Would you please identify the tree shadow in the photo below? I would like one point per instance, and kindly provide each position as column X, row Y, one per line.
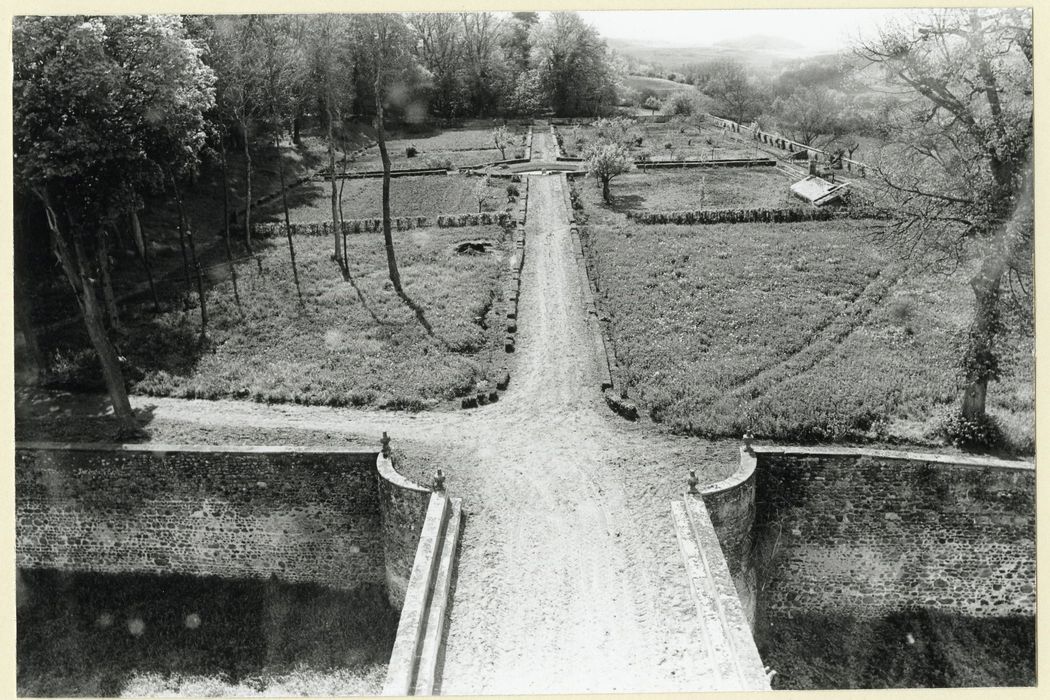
column 622, row 203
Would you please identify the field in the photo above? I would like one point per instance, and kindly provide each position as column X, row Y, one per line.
column 696, row 188
column 430, row 195
column 139, row 635
column 659, row 85
column 448, row 149
column 352, row 342
column 669, row 142
column 790, row 331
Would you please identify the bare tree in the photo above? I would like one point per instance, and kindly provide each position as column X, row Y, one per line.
column 960, row 173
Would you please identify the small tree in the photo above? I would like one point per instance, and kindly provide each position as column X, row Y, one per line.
column 482, row 193
column 606, row 161
column 502, row 137
column 652, row 103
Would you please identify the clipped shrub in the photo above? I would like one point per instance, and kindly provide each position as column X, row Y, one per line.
column 513, row 191
column 411, row 152
column 960, row 431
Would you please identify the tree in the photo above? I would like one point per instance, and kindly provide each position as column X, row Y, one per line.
column 959, row 174
column 92, row 101
column 502, row 137
column 813, row 116
column 575, row 68
column 736, row 96
column 439, row 49
column 652, row 103
column 606, row 160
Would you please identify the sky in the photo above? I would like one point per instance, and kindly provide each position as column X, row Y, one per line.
column 820, row 29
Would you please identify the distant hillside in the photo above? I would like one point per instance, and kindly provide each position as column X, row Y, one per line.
column 657, row 85
column 761, row 53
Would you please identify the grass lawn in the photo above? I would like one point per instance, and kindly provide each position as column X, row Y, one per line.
column 695, row 188
column 429, row 195
column 90, row 634
column 455, row 148
column 790, row 331
column 351, row 343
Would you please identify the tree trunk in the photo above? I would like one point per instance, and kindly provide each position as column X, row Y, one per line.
column 605, row 190
column 226, row 223
column 72, row 262
column 287, row 224
column 342, row 183
column 388, row 239
column 182, row 243
column 185, row 233
column 102, row 257
column 143, row 251
column 247, row 192
column 34, row 356
column 331, row 169
column 982, row 362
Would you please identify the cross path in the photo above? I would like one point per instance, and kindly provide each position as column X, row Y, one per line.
column 570, row 577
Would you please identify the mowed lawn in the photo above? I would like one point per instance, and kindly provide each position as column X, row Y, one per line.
column 792, row 332
column 350, row 343
column 695, row 188
column 362, row 198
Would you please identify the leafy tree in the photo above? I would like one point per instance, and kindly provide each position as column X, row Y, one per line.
column 486, row 75
column 438, row 48
column 100, row 104
column 605, row 161
column 652, row 103
column 736, row 96
column 575, row 68
column 959, row 173
column 814, row 116
column 502, row 137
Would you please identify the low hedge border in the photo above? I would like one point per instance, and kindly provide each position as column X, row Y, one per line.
column 758, row 215
column 401, row 223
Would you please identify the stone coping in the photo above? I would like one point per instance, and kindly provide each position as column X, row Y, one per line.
column 749, row 461
column 162, row 447
column 386, row 469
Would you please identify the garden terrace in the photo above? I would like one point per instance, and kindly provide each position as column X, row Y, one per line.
column 790, row 331
column 448, row 150
column 667, row 142
column 352, row 342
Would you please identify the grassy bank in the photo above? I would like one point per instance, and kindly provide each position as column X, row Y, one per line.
column 910, row 649
column 90, row 634
column 796, row 332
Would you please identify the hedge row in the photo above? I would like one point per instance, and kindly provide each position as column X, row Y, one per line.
column 403, row 223
column 763, row 215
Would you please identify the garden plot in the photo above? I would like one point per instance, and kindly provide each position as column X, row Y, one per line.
column 695, row 188
column 447, row 150
column 672, row 141
column 789, row 331
column 351, row 342
column 429, row 195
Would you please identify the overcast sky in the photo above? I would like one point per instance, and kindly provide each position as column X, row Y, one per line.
column 819, row 29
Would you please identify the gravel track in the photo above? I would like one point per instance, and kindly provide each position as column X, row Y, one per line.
column 569, row 577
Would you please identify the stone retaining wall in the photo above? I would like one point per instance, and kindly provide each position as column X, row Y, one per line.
column 302, row 514
column 756, row 215
column 401, row 223
column 871, row 531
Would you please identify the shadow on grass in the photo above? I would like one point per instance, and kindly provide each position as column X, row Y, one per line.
column 622, row 203
column 91, row 633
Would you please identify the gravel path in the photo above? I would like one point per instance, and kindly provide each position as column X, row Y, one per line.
column 569, row 578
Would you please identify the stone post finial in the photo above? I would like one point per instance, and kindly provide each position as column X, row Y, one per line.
column 748, row 437
column 693, row 481
column 439, row 481
column 385, row 441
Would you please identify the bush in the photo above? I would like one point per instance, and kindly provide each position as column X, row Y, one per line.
column 513, row 191
column 411, row 152
column 960, row 431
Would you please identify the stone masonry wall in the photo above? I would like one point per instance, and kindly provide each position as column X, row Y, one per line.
column 403, row 505
column 868, row 532
column 304, row 515
column 731, row 506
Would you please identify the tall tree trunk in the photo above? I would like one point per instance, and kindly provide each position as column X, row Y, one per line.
column 342, row 184
column 182, row 243
column 34, row 356
column 288, row 224
column 143, row 250
column 331, row 169
column 605, row 190
column 187, row 235
column 388, row 239
column 110, row 299
column 226, row 223
column 982, row 361
column 247, row 191
column 72, row 261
